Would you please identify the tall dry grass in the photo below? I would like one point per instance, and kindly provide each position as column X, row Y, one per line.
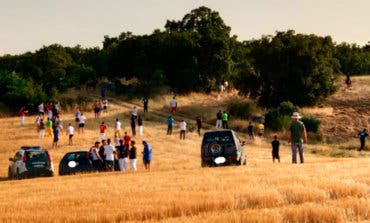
column 324, row 189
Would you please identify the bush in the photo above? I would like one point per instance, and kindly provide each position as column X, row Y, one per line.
column 311, row 123
column 279, row 118
column 241, row 109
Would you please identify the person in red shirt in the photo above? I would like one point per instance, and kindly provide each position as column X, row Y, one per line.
column 22, row 115
column 102, row 129
column 126, row 139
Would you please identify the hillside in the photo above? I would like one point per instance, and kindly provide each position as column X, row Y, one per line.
column 324, row 189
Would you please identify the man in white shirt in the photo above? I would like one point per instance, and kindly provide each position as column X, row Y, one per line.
column 41, row 110
column 81, row 124
column 134, row 112
column 70, row 132
column 109, row 152
column 182, row 125
column 117, row 131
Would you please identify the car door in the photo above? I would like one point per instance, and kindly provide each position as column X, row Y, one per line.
column 15, row 163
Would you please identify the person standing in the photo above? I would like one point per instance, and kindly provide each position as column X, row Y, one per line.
column 132, row 156
column 49, row 125
column 275, row 149
column 70, row 132
column 250, row 131
column 41, row 129
column 56, row 137
column 147, row 155
column 133, row 125
column 260, row 129
column 41, row 109
column 126, row 139
column 77, row 116
column 140, row 124
column 22, row 115
column 102, row 128
column 96, row 160
column 199, row 124
column 173, row 104
column 105, row 104
column 117, row 127
column 122, row 151
column 297, row 136
column 101, row 153
column 170, row 123
column 362, row 135
column 81, row 124
column 109, row 152
column 219, row 119
column 145, row 104
column 134, row 112
column 225, row 118
column 182, row 126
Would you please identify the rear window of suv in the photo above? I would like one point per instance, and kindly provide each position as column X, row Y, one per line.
column 220, row 137
column 34, row 156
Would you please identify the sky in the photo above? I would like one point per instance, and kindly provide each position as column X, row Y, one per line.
column 27, row 25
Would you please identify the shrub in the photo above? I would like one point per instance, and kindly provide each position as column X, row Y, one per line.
column 311, row 123
column 279, row 118
column 241, row 109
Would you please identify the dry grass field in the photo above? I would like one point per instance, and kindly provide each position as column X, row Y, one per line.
column 324, row 189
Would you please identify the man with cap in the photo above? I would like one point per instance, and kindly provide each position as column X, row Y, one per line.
column 297, row 135
column 97, row 161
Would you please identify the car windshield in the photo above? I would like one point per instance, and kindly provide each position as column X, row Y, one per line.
column 222, row 136
column 75, row 156
column 35, row 156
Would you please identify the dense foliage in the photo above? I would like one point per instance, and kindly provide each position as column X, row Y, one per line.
column 196, row 53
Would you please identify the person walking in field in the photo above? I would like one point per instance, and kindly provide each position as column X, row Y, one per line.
column 260, row 129
column 122, row 151
column 134, row 113
column 275, row 149
column 362, row 135
column 147, row 155
column 219, row 119
column 105, row 104
column 250, row 129
column 173, row 104
column 81, row 124
column 56, row 138
column 41, row 129
column 41, row 109
column 109, row 152
column 133, row 125
column 70, row 132
column 117, row 128
column 170, row 123
column 22, row 115
column 49, row 125
column 199, row 124
column 297, row 135
column 225, row 118
column 182, row 126
column 126, row 139
column 140, row 125
column 145, row 104
column 77, row 117
column 102, row 128
column 132, row 156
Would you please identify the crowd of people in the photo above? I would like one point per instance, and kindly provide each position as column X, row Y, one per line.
column 115, row 155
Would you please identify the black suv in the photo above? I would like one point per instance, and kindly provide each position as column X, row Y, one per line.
column 222, row 147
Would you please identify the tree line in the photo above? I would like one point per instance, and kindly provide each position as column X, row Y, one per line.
column 196, row 53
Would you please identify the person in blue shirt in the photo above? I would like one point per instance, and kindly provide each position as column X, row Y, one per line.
column 56, row 137
column 362, row 135
column 170, row 122
column 147, row 155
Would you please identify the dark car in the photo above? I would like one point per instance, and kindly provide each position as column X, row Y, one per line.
column 30, row 161
column 73, row 162
column 222, row 147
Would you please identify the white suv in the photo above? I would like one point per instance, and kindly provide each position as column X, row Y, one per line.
column 30, row 161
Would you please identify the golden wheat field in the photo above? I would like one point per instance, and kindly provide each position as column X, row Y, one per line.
column 177, row 189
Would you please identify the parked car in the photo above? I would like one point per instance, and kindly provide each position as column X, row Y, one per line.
column 222, row 147
column 77, row 161
column 30, row 161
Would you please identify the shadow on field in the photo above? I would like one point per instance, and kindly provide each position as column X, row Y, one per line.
column 4, row 179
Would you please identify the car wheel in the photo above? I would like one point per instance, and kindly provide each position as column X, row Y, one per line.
column 50, row 174
column 215, row 149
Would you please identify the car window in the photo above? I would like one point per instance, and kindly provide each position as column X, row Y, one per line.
column 34, row 156
column 75, row 156
column 220, row 137
column 17, row 156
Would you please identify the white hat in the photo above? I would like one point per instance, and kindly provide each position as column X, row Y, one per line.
column 296, row 115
